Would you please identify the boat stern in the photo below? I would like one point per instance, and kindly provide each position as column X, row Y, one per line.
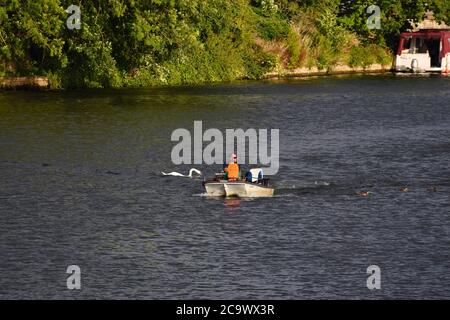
column 235, row 189
column 215, row 189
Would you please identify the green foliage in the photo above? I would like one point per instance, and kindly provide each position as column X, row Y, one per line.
column 294, row 48
column 441, row 10
column 30, row 36
column 395, row 17
column 268, row 7
column 54, row 80
column 288, row 8
column 141, row 43
column 324, row 52
column 360, row 58
column 364, row 56
column 258, row 62
column 272, row 27
column 128, row 43
column 382, row 55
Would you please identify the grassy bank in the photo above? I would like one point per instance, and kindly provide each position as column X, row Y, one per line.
column 157, row 42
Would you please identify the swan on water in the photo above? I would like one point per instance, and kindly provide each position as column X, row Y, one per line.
column 177, row 174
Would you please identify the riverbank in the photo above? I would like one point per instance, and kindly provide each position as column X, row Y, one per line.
column 337, row 70
column 194, row 43
column 24, row 83
column 42, row 83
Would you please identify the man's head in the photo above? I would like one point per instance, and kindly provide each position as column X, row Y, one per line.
column 233, row 158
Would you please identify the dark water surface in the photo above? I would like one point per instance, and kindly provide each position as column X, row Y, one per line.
column 80, row 184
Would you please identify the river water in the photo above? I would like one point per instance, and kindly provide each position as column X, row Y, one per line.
column 81, row 185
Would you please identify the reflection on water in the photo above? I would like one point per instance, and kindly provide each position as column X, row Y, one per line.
column 81, row 184
column 231, row 204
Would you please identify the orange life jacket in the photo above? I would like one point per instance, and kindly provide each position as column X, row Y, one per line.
column 233, row 171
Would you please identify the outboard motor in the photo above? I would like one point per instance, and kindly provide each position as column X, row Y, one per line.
column 256, row 175
column 414, row 65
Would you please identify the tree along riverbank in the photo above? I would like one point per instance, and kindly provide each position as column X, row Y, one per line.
column 146, row 43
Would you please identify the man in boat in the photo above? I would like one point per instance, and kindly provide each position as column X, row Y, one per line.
column 233, row 169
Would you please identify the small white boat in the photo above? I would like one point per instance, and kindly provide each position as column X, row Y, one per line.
column 426, row 50
column 251, row 188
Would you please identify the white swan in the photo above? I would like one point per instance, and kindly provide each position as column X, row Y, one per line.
column 177, row 174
